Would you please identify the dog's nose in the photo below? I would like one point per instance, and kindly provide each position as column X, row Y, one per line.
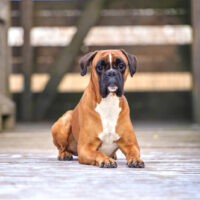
column 111, row 72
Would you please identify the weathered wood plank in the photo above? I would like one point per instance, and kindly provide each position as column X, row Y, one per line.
column 66, row 13
column 7, row 107
column 196, row 59
column 66, row 57
column 156, row 58
column 171, row 153
column 110, row 17
column 111, row 4
column 1, row 125
column 4, row 50
column 143, row 81
column 150, row 106
column 116, row 20
column 117, row 4
column 27, row 15
column 3, row 59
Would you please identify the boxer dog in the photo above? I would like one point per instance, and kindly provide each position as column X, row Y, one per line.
column 100, row 124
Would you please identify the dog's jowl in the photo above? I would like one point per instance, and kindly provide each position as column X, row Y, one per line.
column 100, row 124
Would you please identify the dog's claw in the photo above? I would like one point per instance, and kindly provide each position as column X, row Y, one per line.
column 68, row 158
column 136, row 164
column 102, row 165
column 140, row 164
column 65, row 156
column 109, row 164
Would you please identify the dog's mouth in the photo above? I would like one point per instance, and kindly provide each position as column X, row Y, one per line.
column 110, row 85
column 112, row 88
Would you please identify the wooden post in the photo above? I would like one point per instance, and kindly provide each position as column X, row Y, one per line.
column 196, row 59
column 26, row 103
column 1, row 124
column 7, row 107
column 65, row 60
column 3, row 43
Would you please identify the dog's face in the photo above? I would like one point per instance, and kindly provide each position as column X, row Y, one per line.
column 110, row 68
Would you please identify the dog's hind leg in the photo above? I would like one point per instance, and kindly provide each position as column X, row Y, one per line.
column 61, row 131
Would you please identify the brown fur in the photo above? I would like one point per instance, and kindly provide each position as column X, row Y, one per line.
column 76, row 132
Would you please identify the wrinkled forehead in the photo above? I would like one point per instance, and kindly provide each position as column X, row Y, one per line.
column 109, row 56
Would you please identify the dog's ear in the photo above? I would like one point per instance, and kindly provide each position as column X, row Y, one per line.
column 132, row 62
column 85, row 61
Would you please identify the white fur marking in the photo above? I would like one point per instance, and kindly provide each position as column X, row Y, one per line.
column 110, row 60
column 108, row 110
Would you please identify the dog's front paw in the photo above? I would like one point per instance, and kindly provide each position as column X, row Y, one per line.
column 108, row 163
column 65, row 156
column 133, row 163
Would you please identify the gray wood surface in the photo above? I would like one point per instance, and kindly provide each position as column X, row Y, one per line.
column 196, row 59
column 29, row 168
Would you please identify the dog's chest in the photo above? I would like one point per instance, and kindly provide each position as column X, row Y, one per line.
column 108, row 110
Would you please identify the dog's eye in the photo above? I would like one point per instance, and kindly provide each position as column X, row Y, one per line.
column 121, row 66
column 100, row 67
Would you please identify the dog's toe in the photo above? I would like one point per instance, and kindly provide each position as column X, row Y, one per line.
column 65, row 156
column 102, row 165
column 140, row 164
column 110, row 163
column 132, row 164
column 68, row 158
column 136, row 164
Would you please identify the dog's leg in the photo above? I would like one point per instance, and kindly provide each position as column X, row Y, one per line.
column 132, row 154
column 61, row 130
column 129, row 146
column 88, row 154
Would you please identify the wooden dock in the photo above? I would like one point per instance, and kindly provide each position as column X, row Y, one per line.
column 29, row 169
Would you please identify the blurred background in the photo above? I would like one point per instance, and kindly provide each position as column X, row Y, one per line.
column 42, row 41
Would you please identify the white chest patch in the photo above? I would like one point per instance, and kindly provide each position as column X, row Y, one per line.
column 108, row 110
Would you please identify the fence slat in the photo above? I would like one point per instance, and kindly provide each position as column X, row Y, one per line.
column 196, row 59
column 111, row 4
column 151, row 58
column 110, row 17
column 26, row 103
column 170, row 106
column 66, row 13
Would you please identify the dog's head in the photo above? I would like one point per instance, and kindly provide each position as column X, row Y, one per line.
column 110, row 69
